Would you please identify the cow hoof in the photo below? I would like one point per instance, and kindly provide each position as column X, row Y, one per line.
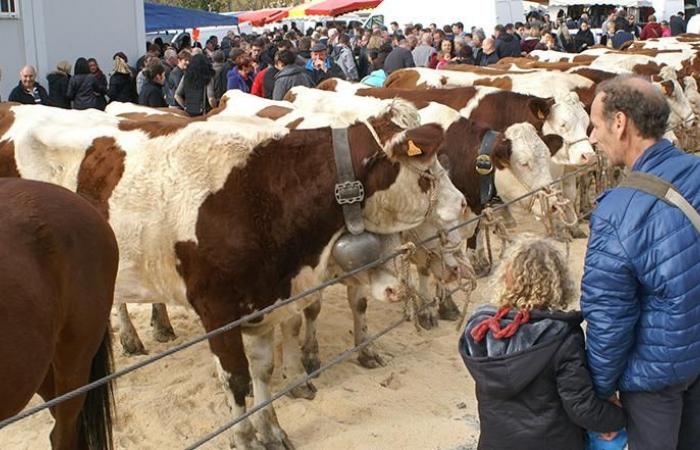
column 282, row 444
column 481, row 266
column 311, row 362
column 448, row 310
column 164, row 334
column 132, row 346
column 428, row 320
column 577, row 232
column 306, row 391
column 370, row 360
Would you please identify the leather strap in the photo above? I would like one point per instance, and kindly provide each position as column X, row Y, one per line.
column 349, row 193
column 663, row 190
column 487, row 185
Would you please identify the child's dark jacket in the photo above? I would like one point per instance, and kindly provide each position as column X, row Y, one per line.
column 533, row 389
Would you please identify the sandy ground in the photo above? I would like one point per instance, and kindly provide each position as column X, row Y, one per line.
column 429, row 402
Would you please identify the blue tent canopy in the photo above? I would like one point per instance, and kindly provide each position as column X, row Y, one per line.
column 163, row 17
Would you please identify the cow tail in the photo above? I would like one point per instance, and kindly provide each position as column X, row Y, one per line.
column 96, row 417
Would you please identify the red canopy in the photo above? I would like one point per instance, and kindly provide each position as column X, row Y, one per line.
column 338, row 7
column 263, row 16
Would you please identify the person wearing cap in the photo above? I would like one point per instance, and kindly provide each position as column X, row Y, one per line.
column 321, row 67
column 677, row 23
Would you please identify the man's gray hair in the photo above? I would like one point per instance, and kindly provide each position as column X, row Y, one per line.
column 644, row 105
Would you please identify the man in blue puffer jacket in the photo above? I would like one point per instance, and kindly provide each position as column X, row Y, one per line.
column 640, row 292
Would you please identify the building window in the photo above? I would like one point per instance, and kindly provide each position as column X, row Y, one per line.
column 8, row 8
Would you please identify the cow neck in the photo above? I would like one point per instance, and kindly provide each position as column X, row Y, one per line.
column 461, row 148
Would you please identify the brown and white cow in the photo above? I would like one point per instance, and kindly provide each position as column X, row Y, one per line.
column 226, row 219
column 523, row 159
column 499, row 109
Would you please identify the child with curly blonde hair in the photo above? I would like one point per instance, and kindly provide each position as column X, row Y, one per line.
column 528, row 361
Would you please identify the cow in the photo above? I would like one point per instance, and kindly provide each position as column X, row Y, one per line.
column 57, row 270
column 539, row 83
column 227, row 220
column 500, row 109
column 519, row 156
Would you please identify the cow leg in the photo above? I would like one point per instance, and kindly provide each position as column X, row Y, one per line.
column 570, row 193
column 129, row 338
column 447, row 308
column 368, row 356
column 427, row 314
column 292, row 367
column 162, row 329
column 477, row 255
column 309, row 350
column 232, row 370
column 260, row 353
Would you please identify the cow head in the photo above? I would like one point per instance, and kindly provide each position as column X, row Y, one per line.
column 422, row 189
column 523, row 162
column 691, row 91
column 568, row 118
column 682, row 114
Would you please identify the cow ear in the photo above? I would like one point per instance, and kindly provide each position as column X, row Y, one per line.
column 501, row 152
column 667, row 86
column 540, row 107
column 554, row 143
column 444, row 161
column 420, row 144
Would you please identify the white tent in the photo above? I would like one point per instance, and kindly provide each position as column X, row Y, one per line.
column 484, row 14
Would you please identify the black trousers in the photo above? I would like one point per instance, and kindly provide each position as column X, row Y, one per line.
column 664, row 420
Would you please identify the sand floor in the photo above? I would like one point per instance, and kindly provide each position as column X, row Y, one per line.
column 428, row 401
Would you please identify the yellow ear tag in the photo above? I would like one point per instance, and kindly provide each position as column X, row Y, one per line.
column 413, row 149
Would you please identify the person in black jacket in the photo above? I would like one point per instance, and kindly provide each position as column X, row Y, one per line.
column 528, row 360
column 191, row 93
column 101, row 83
column 58, row 85
column 152, row 93
column 28, row 91
column 320, row 66
column 84, row 88
column 290, row 74
column 122, row 83
column 506, row 44
column 584, row 38
column 677, row 23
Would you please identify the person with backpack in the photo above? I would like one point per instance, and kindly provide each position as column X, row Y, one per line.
column 528, row 359
column 641, row 280
column 191, row 93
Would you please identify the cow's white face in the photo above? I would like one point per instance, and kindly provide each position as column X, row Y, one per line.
column 568, row 119
column 691, row 92
column 682, row 114
column 407, row 203
column 529, row 166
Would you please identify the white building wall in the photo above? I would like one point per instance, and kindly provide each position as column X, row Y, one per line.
column 13, row 54
column 49, row 31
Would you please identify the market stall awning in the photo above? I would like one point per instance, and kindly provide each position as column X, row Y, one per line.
column 338, row 7
column 299, row 11
column 263, row 16
column 163, row 17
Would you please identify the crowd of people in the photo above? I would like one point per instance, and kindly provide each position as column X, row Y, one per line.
column 193, row 77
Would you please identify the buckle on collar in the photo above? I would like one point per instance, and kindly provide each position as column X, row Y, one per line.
column 349, row 192
column 484, row 165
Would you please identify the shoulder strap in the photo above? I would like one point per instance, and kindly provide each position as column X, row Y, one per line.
column 663, row 190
